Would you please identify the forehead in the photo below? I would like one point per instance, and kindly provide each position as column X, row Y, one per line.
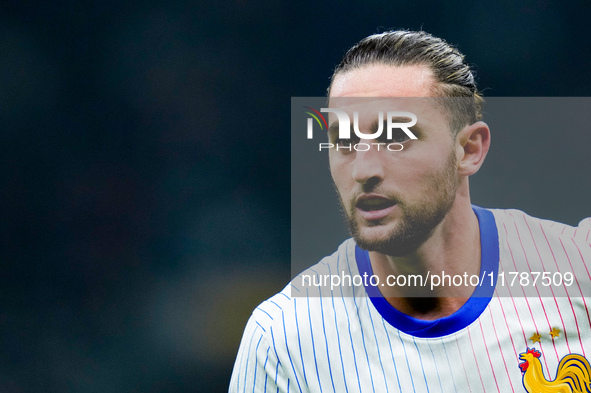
column 379, row 87
column 381, row 80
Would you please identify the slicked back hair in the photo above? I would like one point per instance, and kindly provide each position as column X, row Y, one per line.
column 453, row 76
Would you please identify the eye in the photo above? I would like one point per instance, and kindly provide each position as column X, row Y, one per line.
column 340, row 142
column 346, row 142
column 399, row 136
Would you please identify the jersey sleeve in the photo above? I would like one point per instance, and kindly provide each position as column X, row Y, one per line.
column 257, row 368
column 585, row 224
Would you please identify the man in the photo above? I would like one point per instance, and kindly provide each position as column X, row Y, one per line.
column 410, row 215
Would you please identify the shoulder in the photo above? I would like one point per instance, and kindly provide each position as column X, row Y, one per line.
column 516, row 222
column 544, row 248
column 304, row 300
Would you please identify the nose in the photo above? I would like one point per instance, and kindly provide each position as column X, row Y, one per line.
column 368, row 169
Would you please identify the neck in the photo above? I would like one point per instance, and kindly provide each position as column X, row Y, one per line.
column 453, row 249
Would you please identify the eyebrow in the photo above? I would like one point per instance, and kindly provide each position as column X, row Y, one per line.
column 401, row 119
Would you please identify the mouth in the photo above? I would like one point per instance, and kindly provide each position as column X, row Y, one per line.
column 373, row 207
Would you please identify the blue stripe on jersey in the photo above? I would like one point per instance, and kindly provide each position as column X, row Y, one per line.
column 350, row 337
column 256, row 364
column 392, row 353
column 435, row 363
column 277, row 373
column 269, row 315
column 265, row 369
column 362, row 335
column 289, row 354
column 407, row 364
column 285, row 296
column 449, row 365
column 313, row 344
column 468, row 313
column 422, row 365
column 377, row 344
column 295, row 312
column 247, row 358
column 326, row 342
column 336, row 326
column 278, row 361
column 278, row 306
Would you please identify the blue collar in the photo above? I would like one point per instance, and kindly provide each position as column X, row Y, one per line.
column 469, row 312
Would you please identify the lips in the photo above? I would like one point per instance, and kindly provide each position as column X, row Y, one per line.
column 374, row 207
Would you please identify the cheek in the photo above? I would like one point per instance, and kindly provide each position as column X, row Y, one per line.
column 343, row 182
column 407, row 169
column 339, row 182
column 338, row 171
column 425, row 165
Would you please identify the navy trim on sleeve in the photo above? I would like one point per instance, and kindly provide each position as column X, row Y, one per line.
column 469, row 312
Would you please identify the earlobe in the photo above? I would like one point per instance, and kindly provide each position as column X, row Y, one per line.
column 474, row 142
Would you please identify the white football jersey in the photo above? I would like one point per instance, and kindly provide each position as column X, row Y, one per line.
column 513, row 335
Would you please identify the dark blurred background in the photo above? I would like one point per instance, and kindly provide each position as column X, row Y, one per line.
column 145, row 193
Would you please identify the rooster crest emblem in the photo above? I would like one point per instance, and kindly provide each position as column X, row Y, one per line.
column 572, row 376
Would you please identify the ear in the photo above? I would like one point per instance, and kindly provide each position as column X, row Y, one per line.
column 472, row 144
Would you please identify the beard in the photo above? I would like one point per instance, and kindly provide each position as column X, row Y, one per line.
column 419, row 217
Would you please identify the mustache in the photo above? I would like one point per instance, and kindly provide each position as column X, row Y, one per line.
column 354, row 199
column 348, row 206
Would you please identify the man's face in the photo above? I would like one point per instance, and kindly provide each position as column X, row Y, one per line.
column 393, row 200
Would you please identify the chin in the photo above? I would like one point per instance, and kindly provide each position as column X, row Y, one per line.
column 389, row 239
column 374, row 235
column 394, row 247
